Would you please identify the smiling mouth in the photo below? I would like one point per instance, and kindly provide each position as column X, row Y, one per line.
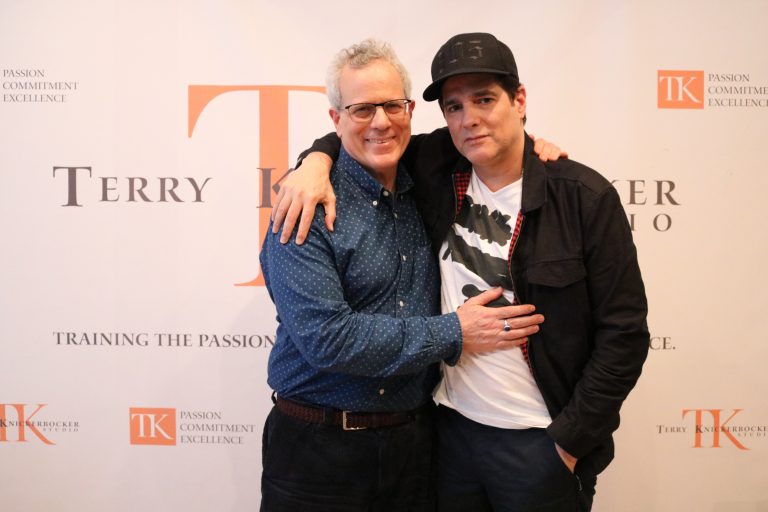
column 379, row 140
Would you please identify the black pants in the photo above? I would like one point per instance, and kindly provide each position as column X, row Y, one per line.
column 310, row 467
column 483, row 469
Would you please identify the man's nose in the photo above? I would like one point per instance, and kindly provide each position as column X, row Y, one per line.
column 380, row 118
column 469, row 116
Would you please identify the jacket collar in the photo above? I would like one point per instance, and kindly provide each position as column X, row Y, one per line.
column 534, row 179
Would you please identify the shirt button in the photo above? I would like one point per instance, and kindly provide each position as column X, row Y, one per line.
column 402, row 303
column 375, row 203
column 386, row 193
column 381, row 391
column 396, row 216
column 405, row 257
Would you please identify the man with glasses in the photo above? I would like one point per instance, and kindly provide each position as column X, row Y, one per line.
column 530, row 429
column 359, row 333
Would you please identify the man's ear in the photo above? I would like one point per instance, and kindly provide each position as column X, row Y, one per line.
column 520, row 101
column 336, row 118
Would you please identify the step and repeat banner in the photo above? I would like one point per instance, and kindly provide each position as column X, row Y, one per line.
column 142, row 143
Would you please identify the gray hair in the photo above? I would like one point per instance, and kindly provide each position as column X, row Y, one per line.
column 358, row 56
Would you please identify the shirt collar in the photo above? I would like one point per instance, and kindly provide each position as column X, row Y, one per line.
column 534, row 177
column 367, row 183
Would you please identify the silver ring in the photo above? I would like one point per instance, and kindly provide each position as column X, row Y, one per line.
column 507, row 327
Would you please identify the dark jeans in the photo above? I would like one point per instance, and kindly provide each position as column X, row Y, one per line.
column 484, row 468
column 310, row 467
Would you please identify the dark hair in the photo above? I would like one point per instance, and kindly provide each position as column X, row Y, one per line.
column 509, row 83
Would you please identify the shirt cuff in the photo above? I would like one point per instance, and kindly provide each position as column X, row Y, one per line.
column 446, row 333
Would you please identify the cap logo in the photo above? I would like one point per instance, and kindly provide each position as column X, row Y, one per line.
column 460, row 50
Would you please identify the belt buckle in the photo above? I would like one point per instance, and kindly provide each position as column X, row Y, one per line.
column 344, row 425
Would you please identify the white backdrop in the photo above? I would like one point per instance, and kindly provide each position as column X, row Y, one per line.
column 136, row 138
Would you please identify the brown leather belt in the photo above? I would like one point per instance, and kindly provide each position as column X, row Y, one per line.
column 346, row 419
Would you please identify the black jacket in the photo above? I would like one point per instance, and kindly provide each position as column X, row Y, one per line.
column 576, row 262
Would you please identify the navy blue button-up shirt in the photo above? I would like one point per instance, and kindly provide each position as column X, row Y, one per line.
column 358, row 308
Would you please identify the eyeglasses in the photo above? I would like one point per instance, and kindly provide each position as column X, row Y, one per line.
column 364, row 112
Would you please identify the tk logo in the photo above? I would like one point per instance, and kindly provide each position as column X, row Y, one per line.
column 680, row 89
column 153, row 426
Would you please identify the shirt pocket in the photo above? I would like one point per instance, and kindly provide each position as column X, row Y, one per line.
column 557, row 274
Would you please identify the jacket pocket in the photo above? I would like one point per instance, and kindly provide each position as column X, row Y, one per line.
column 557, row 274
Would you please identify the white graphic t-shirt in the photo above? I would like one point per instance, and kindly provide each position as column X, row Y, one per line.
column 496, row 388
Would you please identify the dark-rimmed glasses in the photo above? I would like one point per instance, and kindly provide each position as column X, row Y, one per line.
column 364, row 112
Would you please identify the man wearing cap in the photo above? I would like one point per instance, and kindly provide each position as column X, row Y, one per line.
column 360, row 334
column 526, row 429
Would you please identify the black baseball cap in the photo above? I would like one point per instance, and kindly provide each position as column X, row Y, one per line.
column 476, row 52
